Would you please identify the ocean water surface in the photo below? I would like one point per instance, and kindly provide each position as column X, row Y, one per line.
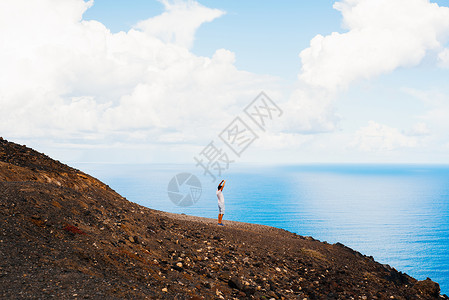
column 399, row 214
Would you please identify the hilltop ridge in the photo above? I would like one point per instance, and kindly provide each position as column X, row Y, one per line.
column 65, row 234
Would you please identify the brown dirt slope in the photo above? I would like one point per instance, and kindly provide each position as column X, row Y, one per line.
column 64, row 234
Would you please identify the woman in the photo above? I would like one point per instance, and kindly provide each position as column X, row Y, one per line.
column 221, row 205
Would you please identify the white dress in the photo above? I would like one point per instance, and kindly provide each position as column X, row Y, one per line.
column 221, row 204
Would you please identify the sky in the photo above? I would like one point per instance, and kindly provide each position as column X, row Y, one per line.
column 147, row 81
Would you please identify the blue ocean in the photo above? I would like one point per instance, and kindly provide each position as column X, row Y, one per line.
column 399, row 214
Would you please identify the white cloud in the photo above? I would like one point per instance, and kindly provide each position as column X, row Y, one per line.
column 310, row 111
column 378, row 137
column 438, row 109
column 434, row 123
column 419, row 129
column 382, row 36
column 443, row 58
column 168, row 26
column 67, row 78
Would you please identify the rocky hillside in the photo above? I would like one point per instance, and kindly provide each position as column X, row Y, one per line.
column 64, row 234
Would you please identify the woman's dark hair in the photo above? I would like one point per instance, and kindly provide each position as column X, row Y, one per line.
column 220, row 185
